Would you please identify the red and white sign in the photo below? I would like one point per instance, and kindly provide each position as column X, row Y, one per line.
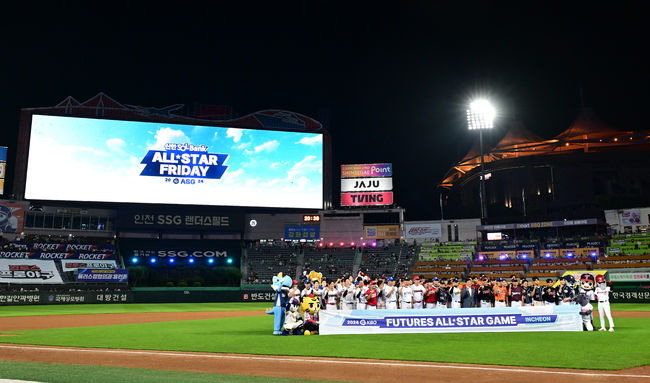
column 366, row 199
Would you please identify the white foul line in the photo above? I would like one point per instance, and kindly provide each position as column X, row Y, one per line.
column 327, row 361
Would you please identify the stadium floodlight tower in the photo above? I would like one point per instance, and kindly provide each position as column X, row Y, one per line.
column 480, row 116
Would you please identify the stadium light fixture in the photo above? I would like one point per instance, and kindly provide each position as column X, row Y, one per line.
column 569, row 254
column 171, row 261
column 481, row 258
column 547, row 255
column 134, row 260
column 363, row 244
column 331, row 244
column 191, row 260
column 229, row 261
column 480, row 116
column 210, row 260
column 374, row 244
column 524, row 256
column 321, row 244
column 594, row 254
column 341, row 244
column 152, row 260
column 352, row 244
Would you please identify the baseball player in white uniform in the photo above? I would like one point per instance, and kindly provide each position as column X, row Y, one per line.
column 390, row 294
column 406, row 295
column 602, row 294
column 331, row 296
column 418, row 293
column 360, row 294
column 454, row 291
column 349, row 301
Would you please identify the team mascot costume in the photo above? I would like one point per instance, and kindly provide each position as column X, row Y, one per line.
column 310, row 305
column 602, row 294
column 281, row 286
column 585, row 294
column 293, row 320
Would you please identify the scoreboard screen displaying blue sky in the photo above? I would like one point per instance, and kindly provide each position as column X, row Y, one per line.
column 83, row 159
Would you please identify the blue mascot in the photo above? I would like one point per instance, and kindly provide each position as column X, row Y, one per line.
column 281, row 287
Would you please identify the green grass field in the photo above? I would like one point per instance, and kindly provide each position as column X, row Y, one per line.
column 624, row 348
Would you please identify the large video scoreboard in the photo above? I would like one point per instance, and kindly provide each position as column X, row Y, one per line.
column 105, row 160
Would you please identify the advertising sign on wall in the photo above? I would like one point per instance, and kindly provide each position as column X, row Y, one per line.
column 12, row 216
column 506, row 319
column 165, row 163
column 366, row 185
column 173, row 220
column 3, row 167
column 422, row 230
column 29, row 271
column 631, row 217
column 366, row 199
column 381, row 232
column 102, row 275
column 366, row 170
column 301, row 232
column 72, row 265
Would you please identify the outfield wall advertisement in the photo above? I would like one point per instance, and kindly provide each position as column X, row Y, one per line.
column 422, row 230
column 29, row 271
column 506, row 319
column 83, row 159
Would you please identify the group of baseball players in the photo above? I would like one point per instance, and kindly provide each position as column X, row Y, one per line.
column 352, row 293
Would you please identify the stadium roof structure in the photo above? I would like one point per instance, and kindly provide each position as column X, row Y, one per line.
column 587, row 133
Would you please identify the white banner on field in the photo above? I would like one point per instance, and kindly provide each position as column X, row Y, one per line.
column 503, row 319
column 366, row 184
column 32, row 271
column 72, row 264
column 422, row 230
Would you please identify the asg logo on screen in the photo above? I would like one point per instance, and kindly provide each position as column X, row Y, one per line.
column 184, row 161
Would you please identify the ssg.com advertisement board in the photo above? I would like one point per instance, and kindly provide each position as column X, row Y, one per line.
column 506, row 319
column 82, row 159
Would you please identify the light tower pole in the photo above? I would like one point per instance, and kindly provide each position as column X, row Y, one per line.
column 480, row 116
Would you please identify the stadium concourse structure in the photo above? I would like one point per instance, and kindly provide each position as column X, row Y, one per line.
column 586, row 169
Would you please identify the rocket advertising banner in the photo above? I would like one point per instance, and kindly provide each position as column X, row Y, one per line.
column 366, row 184
column 57, row 255
column 147, row 162
column 12, row 216
column 29, row 271
column 505, row 319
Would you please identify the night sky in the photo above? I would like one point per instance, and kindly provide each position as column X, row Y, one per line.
column 394, row 81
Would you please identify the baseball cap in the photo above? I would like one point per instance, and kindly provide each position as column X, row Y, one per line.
column 435, row 278
column 416, row 278
column 295, row 282
column 390, row 278
column 499, row 279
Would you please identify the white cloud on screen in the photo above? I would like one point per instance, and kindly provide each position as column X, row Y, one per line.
column 306, row 166
column 268, row 146
column 116, row 144
column 311, row 140
column 169, row 135
column 234, row 133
